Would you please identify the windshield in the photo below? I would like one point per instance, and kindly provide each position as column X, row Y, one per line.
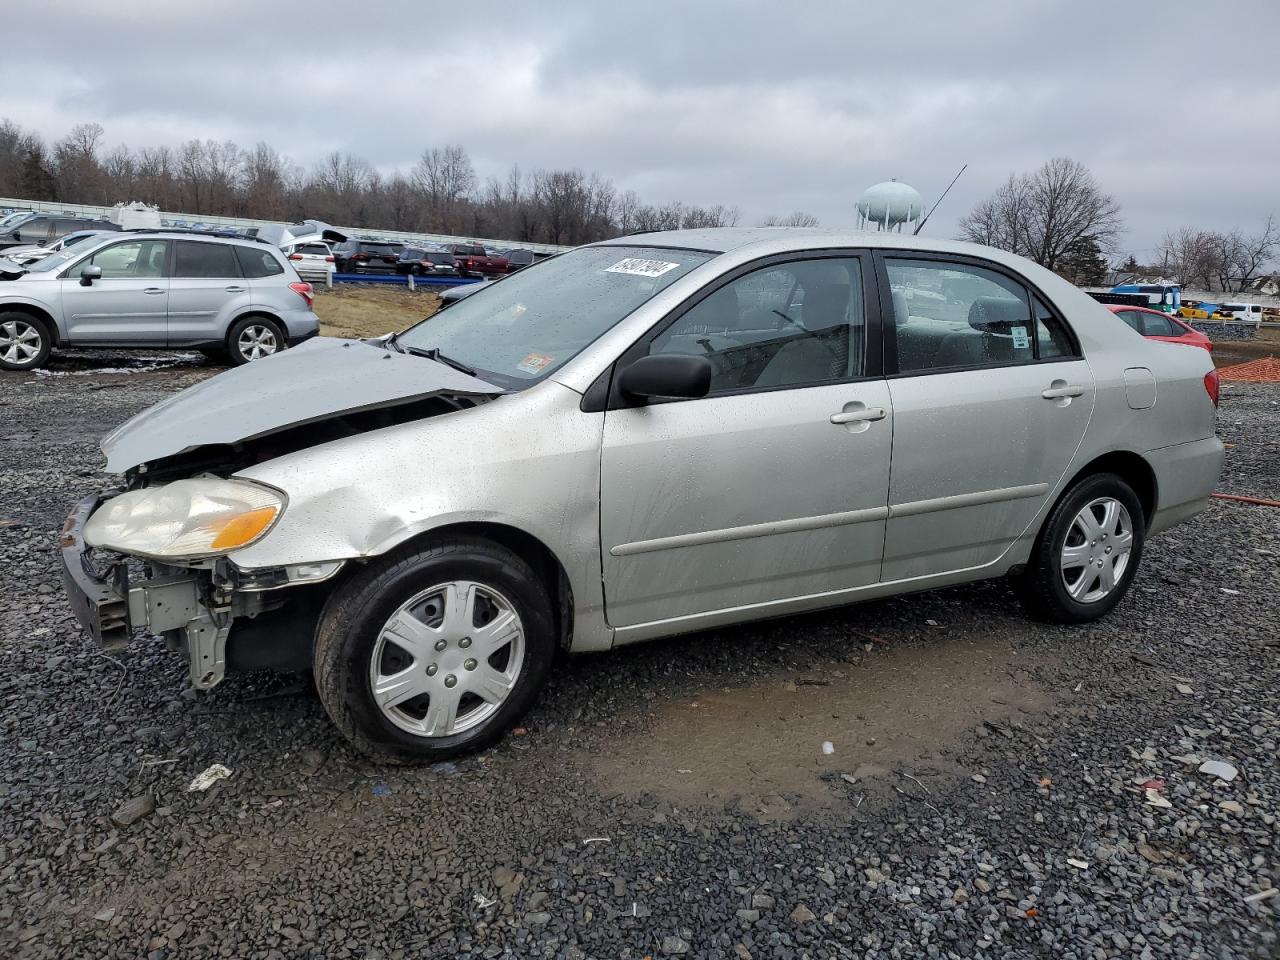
column 532, row 322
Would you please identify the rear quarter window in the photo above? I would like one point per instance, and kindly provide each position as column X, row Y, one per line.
column 258, row 263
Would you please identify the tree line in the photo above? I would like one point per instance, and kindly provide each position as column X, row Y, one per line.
column 441, row 193
column 1211, row 259
column 1060, row 217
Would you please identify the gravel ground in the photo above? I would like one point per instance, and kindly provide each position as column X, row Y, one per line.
column 991, row 810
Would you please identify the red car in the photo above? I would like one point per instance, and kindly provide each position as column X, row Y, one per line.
column 1160, row 326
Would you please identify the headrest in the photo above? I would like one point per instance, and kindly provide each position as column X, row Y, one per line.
column 825, row 305
column 900, row 312
column 998, row 315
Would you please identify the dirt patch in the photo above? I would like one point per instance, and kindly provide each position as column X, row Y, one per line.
column 356, row 310
column 1228, row 352
column 762, row 746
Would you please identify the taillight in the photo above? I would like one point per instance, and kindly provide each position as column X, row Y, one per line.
column 304, row 291
column 328, row 259
column 295, row 256
column 361, row 256
column 1211, row 385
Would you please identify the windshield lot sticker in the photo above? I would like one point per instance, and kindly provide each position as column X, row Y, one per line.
column 1020, row 339
column 641, row 268
column 535, row 363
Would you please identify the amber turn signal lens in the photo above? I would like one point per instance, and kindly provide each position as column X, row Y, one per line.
column 244, row 528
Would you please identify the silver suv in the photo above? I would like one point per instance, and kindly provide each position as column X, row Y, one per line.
column 227, row 297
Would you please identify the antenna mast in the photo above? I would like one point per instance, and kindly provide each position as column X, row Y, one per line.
column 920, row 225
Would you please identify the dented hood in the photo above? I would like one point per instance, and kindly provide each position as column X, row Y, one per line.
column 322, row 378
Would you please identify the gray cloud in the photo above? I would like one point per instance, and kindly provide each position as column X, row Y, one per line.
column 769, row 106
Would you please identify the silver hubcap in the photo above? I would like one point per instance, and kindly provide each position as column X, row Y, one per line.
column 257, row 342
column 1096, row 552
column 448, row 659
column 20, row 342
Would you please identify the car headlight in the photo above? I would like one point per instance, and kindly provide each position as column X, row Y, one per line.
column 185, row 518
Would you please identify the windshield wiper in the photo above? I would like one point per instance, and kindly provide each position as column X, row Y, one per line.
column 433, row 353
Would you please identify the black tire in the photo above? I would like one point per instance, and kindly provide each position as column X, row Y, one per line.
column 20, row 335
column 356, row 613
column 236, row 348
column 1043, row 588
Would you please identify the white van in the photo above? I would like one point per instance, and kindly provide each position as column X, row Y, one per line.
column 1251, row 312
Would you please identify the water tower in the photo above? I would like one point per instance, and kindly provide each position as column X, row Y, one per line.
column 888, row 205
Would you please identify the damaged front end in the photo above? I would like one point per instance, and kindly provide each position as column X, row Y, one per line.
column 218, row 616
column 158, row 555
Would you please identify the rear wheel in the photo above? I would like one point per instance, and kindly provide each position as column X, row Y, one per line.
column 25, row 341
column 436, row 653
column 1088, row 552
column 253, row 338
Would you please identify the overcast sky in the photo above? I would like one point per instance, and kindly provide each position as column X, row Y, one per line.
column 772, row 107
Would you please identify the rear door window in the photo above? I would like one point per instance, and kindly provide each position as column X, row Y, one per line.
column 193, row 259
column 1154, row 325
column 35, row 231
column 1132, row 318
column 949, row 315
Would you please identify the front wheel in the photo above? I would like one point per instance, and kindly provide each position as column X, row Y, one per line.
column 436, row 653
column 25, row 341
column 1087, row 554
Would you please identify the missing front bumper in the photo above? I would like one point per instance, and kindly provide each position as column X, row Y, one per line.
column 110, row 609
column 99, row 597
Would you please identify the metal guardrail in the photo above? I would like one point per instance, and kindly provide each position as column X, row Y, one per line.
column 196, row 221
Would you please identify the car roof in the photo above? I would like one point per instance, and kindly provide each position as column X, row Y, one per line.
column 1117, row 307
column 186, row 233
column 768, row 240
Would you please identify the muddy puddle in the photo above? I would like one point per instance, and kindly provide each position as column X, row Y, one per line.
column 760, row 748
column 84, row 363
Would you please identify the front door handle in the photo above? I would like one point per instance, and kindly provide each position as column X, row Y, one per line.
column 235, row 289
column 153, row 290
column 1060, row 390
column 862, row 415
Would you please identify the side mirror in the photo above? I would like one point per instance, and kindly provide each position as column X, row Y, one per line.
column 670, row 376
column 90, row 274
column 17, row 234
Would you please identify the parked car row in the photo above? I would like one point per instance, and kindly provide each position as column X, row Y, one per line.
column 362, row 256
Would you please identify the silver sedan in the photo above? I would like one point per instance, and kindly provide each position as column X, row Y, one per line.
column 644, row 437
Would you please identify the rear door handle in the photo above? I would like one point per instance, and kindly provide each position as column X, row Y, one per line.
column 235, row 289
column 153, row 290
column 1060, row 392
column 865, row 415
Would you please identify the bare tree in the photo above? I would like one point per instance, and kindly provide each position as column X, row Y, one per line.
column 77, row 163
column 1188, row 256
column 797, row 219
column 1254, row 251
column 447, row 179
column 1045, row 214
column 263, row 183
column 717, row 216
